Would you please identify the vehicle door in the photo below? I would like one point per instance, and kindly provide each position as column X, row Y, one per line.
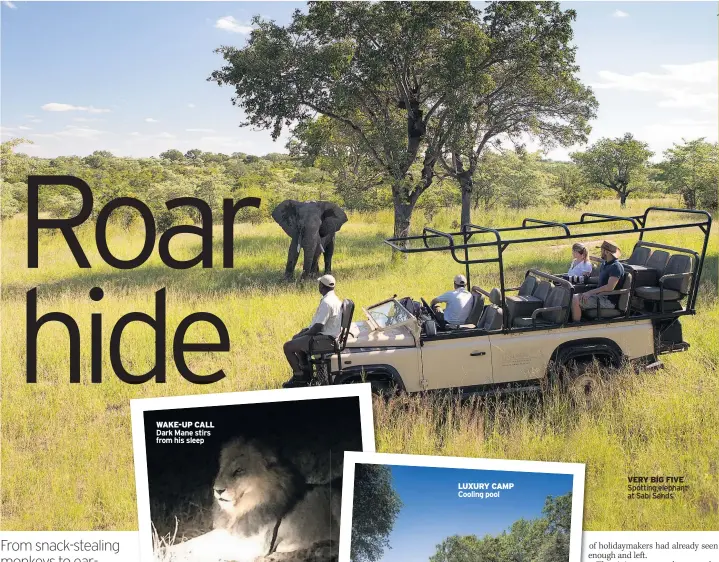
column 452, row 360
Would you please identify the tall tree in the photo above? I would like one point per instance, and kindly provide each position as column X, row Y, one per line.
column 615, row 163
column 397, row 76
column 375, row 507
column 691, row 170
column 529, row 88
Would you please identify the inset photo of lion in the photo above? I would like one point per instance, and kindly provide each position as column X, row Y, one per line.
column 258, row 480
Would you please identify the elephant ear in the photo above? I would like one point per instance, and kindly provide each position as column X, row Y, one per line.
column 286, row 215
column 333, row 217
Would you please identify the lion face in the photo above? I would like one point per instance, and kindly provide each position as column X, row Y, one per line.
column 245, row 476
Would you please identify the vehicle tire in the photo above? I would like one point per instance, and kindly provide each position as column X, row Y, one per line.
column 383, row 387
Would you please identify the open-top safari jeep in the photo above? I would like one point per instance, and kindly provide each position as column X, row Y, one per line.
column 516, row 338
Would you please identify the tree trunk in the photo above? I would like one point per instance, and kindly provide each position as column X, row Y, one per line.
column 466, row 184
column 623, row 198
column 402, row 218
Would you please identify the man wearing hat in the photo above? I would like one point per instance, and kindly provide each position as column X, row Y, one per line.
column 458, row 303
column 611, row 273
column 327, row 320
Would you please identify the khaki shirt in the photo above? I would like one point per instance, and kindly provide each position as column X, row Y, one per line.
column 329, row 313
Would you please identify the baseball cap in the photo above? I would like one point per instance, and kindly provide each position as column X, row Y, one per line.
column 460, row 280
column 327, row 281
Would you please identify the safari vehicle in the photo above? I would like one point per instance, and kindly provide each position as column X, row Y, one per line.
column 516, row 338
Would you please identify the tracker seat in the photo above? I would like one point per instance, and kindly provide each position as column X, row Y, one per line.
column 323, row 345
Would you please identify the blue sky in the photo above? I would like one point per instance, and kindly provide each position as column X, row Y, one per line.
column 433, row 511
column 130, row 77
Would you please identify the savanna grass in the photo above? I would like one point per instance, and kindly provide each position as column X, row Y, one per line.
column 67, row 451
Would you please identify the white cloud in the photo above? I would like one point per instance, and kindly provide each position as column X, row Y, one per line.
column 165, row 136
column 135, row 134
column 692, row 85
column 664, row 134
column 73, row 132
column 29, row 116
column 229, row 23
column 23, row 128
column 68, row 107
column 200, row 130
column 191, row 105
column 151, row 120
column 620, row 14
column 86, row 119
column 9, row 4
column 35, row 120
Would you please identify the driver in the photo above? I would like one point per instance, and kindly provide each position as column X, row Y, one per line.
column 327, row 320
column 458, row 303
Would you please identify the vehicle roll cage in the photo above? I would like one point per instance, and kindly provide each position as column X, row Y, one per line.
column 637, row 224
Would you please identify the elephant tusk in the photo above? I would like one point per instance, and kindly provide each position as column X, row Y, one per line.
column 298, row 247
column 322, row 248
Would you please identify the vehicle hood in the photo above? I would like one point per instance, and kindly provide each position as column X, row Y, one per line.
column 362, row 335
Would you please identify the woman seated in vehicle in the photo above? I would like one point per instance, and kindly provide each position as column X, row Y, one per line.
column 580, row 266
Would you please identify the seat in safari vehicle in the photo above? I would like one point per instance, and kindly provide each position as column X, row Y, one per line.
column 492, row 316
column 672, row 285
column 640, row 255
column 322, row 345
column 622, row 305
column 648, row 273
column 523, row 305
column 554, row 312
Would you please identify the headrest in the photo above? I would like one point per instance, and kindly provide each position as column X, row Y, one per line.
column 495, row 296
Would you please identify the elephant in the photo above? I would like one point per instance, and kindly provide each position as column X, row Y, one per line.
column 312, row 226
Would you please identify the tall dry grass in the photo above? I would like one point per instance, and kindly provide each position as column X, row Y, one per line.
column 67, row 452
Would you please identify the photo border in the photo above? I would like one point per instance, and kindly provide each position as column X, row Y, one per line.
column 577, row 470
column 139, row 406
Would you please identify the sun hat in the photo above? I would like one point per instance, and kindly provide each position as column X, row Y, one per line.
column 611, row 247
column 327, row 281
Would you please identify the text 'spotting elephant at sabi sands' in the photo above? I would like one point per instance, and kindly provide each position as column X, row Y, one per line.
column 312, row 226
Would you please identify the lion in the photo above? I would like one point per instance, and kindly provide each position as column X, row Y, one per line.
column 266, row 502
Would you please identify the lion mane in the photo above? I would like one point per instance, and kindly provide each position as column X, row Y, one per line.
column 263, row 497
column 252, row 488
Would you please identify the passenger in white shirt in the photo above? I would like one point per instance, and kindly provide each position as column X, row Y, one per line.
column 327, row 320
column 581, row 266
column 458, row 303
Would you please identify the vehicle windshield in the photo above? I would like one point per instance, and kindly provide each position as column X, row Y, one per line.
column 388, row 314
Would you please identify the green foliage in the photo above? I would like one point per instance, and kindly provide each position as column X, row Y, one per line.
column 618, row 164
column 691, row 169
column 173, row 155
column 545, row 539
column 529, row 89
column 571, row 186
column 400, row 84
column 375, row 507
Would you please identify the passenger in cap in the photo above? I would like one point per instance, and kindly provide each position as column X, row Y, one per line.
column 458, row 303
column 327, row 320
